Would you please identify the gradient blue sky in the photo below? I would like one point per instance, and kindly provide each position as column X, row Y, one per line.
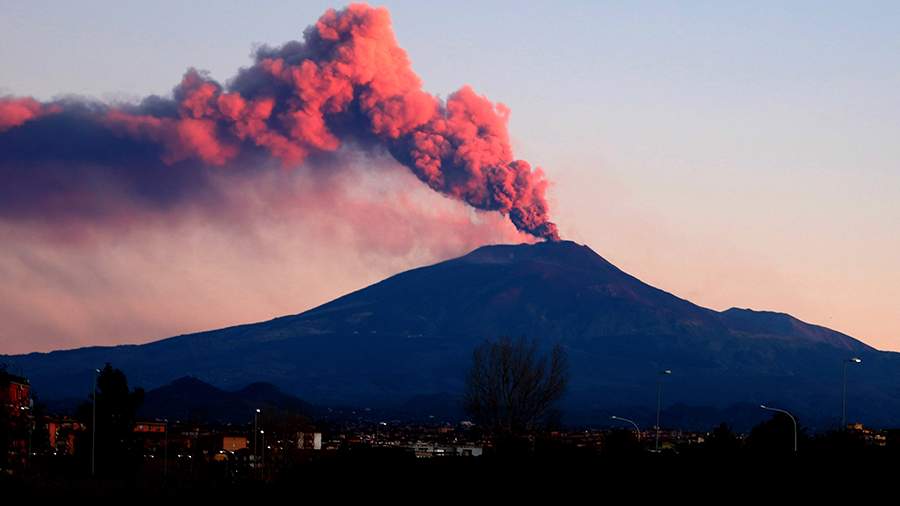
column 734, row 153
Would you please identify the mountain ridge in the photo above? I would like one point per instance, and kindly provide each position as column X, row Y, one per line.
column 411, row 335
column 189, row 398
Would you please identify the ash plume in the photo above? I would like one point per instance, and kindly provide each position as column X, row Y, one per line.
column 347, row 83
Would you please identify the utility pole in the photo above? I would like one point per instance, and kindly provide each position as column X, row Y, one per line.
column 94, row 425
column 659, row 379
column 854, row 360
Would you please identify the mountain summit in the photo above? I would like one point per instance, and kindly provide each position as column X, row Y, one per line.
column 412, row 335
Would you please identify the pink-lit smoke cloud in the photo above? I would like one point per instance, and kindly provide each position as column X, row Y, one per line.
column 347, row 82
column 297, row 182
column 261, row 245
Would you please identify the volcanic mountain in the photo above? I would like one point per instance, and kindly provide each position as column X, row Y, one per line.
column 411, row 337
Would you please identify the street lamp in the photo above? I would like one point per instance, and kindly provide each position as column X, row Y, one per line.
column 262, row 470
column 636, row 428
column 659, row 379
column 793, row 420
column 31, row 425
column 854, row 360
column 255, row 424
column 166, row 450
column 94, row 424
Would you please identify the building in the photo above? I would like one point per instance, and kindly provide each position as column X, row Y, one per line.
column 309, row 440
column 63, row 432
column 870, row 436
column 234, row 443
column 429, row 450
column 150, row 427
column 15, row 394
column 468, row 451
column 16, row 421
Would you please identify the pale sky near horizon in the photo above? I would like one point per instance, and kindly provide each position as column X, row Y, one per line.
column 735, row 154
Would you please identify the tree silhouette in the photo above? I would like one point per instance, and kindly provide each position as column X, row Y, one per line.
column 775, row 436
column 117, row 452
column 512, row 388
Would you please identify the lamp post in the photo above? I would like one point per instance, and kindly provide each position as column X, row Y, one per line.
column 262, row 471
column 94, row 424
column 793, row 420
column 166, row 450
column 636, row 428
column 255, row 425
column 30, row 434
column 854, row 360
column 659, row 379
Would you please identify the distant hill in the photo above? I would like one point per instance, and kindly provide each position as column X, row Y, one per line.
column 407, row 341
column 188, row 398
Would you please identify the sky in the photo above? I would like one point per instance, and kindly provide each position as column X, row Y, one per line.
column 734, row 154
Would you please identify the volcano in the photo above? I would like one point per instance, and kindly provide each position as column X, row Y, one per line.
column 411, row 337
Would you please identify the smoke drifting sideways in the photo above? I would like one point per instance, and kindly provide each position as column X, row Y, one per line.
column 260, row 244
column 347, row 85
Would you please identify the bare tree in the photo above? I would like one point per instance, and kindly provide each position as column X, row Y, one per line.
column 512, row 388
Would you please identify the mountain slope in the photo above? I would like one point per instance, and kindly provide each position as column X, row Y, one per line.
column 188, row 398
column 412, row 335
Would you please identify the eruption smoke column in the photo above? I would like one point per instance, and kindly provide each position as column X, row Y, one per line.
column 15, row 111
column 348, row 81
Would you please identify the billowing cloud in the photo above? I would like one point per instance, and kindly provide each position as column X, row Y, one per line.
column 347, row 85
column 297, row 181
